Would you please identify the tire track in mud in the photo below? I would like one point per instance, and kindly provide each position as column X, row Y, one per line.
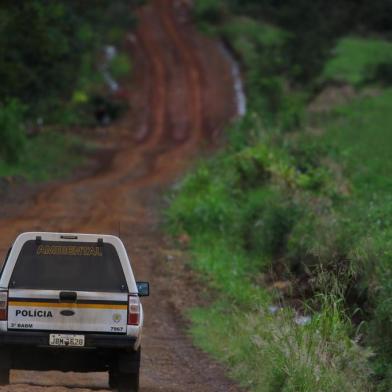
column 192, row 67
column 151, row 149
column 157, row 88
column 128, row 191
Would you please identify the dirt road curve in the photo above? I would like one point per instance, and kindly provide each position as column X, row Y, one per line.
column 181, row 96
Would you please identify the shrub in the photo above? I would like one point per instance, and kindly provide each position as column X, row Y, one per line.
column 208, row 11
column 203, row 204
column 292, row 112
column 267, row 220
column 12, row 131
column 251, row 166
column 120, row 66
column 383, row 73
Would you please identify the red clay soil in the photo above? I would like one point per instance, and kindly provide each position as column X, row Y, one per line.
column 180, row 97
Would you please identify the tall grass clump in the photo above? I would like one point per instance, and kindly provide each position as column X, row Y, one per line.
column 271, row 352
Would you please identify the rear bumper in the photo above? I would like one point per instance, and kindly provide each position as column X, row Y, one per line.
column 41, row 339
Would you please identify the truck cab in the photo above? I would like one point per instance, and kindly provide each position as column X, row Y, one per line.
column 70, row 302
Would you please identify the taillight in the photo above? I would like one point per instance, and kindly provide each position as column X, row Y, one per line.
column 133, row 310
column 3, row 305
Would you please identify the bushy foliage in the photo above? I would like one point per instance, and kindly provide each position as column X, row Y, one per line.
column 249, row 194
column 382, row 73
column 43, row 45
column 315, row 205
column 120, row 66
column 248, row 208
column 267, row 220
column 46, row 156
column 40, row 51
column 209, row 11
column 261, row 48
column 318, row 205
column 48, row 52
column 12, row 131
column 315, row 26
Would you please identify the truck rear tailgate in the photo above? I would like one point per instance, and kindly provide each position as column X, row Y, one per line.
column 91, row 312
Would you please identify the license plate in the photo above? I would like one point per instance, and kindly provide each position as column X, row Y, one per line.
column 66, row 340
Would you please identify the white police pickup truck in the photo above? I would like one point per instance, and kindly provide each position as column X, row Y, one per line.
column 70, row 302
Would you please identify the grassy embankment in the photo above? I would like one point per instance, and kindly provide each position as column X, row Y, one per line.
column 303, row 198
column 52, row 81
column 47, row 156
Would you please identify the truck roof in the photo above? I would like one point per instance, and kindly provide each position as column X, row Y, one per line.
column 68, row 238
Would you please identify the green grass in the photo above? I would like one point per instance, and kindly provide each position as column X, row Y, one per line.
column 46, row 156
column 240, row 211
column 272, row 353
column 355, row 60
column 310, row 207
column 361, row 131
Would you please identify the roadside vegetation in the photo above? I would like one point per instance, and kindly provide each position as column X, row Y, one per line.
column 291, row 221
column 51, row 79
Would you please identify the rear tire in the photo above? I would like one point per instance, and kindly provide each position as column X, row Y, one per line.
column 128, row 382
column 124, row 375
column 113, row 379
column 4, row 376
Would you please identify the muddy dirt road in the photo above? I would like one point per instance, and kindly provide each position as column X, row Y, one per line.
column 181, row 96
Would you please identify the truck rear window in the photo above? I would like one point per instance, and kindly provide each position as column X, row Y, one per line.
column 77, row 266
